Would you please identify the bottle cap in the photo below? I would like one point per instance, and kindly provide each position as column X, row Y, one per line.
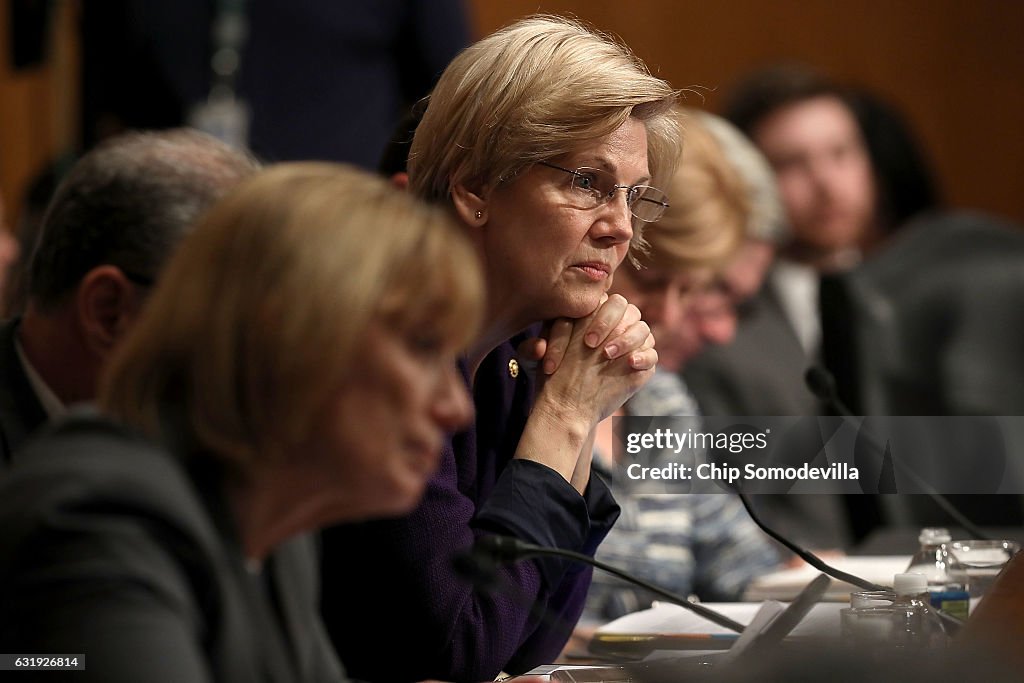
column 910, row 583
column 934, row 535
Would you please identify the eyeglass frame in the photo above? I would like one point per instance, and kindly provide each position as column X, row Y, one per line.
column 630, row 190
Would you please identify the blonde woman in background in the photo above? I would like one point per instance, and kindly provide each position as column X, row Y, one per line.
column 688, row 543
column 295, row 367
column 712, row 316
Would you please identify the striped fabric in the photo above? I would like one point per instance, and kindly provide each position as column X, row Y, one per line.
column 703, row 544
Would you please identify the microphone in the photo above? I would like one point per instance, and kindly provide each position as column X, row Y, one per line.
column 822, row 384
column 490, row 551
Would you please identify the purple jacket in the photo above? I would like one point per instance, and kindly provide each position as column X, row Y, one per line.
column 395, row 608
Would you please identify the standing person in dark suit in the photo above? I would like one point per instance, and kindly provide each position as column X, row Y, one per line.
column 548, row 142
column 320, row 80
column 112, row 224
column 287, row 373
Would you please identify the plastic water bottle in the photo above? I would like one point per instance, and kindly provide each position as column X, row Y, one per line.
column 947, row 589
column 913, row 618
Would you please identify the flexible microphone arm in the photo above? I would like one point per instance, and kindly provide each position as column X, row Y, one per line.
column 822, row 384
column 506, row 550
column 806, row 555
column 950, row 623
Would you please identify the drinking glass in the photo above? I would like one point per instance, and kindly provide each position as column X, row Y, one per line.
column 982, row 561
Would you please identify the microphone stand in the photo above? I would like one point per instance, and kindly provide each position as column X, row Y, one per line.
column 946, row 620
column 506, row 549
column 806, row 555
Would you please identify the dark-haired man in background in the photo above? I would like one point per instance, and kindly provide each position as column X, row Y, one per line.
column 848, row 173
column 108, row 231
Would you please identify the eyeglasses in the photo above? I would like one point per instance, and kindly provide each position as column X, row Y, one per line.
column 594, row 187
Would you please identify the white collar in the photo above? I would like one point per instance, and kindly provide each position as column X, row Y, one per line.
column 51, row 404
column 796, row 286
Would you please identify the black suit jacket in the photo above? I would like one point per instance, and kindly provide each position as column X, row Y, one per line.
column 21, row 413
column 761, row 372
column 113, row 548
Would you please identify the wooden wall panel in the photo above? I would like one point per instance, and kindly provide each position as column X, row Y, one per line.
column 955, row 68
column 38, row 105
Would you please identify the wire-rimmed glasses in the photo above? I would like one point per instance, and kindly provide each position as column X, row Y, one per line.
column 594, row 187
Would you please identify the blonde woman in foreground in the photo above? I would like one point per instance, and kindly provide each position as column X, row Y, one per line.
column 295, row 368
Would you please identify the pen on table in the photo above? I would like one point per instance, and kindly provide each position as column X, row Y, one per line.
column 626, row 637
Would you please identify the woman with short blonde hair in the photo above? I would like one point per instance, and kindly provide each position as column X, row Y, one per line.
column 710, row 207
column 295, row 367
column 530, row 92
column 548, row 142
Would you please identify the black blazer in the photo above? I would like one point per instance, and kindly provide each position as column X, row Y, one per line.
column 761, row 372
column 21, row 413
column 112, row 548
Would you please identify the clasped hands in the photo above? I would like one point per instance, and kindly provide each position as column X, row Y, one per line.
column 590, row 366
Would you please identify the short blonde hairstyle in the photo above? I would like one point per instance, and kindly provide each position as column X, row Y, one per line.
column 709, row 204
column 537, row 89
column 259, row 316
column 767, row 221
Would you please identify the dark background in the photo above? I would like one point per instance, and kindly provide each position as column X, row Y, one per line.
column 956, row 69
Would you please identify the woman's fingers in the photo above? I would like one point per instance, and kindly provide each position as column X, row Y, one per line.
column 558, row 341
column 646, row 357
column 606, row 319
column 616, row 326
column 532, row 350
column 630, row 339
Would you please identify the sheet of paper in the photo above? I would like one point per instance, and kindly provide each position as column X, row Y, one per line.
column 664, row 618
column 785, row 584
